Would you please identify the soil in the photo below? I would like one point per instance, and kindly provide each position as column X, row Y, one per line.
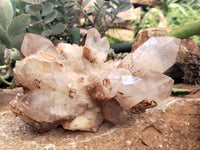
column 173, row 124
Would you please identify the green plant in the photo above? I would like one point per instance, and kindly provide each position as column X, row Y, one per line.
column 179, row 12
column 62, row 19
column 103, row 13
column 10, row 57
column 186, row 30
column 113, row 40
column 150, row 19
column 11, row 36
column 192, row 3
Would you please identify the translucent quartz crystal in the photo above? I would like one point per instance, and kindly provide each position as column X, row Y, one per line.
column 33, row 43
column 54, row 93
column 113, row 112
column 55, row 79
column 110, row 82
column 158, row 86
column 106, row 86
column 132, row 91
column 129, row 90
column 98, row 46
column 72, row 86
column 152, row 87
column 156, row 54
column 88, row 121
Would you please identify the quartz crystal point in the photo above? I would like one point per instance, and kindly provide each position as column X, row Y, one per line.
column 129, row 90
column 156, row 54
column 33, row 43
column 98, row 47
column 152, row 87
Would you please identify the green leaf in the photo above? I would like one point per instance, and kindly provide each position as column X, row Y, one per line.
column 14, row 54
column 55, row 41
column 28, row 10
column 100, row 2
column 2, row 48
column 17, row 41
column 34, row 20
column 58, row 29
column 47, row 9
column 61, row 9
column 59, row 16
column 186, row 30
column 29, row 1
column 90, row 10
column 72, row 12
column 96, row 7
column 85, row 3
column 55, row 2
column 178, row 6
column 125, row 7
column 36, row 6
column 42, row 1
column 18, row 25
column 34, row 1
column 37, row 29
column 21, row 5
column 176, row 91
column 116, row 2
column 75, row 35
column 37, row 23
column 4, row 39
column 50, row 17
column 6, row 13
column 46, row 33
column 14, row 7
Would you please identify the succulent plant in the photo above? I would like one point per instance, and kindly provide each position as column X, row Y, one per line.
column 11, row 36
column 61, row 20
column 10, row 57
column 105, row 13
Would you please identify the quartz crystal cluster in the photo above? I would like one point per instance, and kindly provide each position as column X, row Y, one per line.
column 74, row 87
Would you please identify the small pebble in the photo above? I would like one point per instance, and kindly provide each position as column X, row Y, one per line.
column 128, row 142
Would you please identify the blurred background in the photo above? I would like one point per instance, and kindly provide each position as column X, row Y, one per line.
column 169, row 14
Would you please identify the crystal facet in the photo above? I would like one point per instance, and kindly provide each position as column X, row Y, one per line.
column 156, row 54
column 98, row 46
column 106, row 86
column 113, row 112
column 33, row 43
column 132, row 92
column 152, row 87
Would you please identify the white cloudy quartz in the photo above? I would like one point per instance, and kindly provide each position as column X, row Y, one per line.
column 74, row 87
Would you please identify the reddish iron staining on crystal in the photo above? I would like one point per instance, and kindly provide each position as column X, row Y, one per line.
column 87, row 54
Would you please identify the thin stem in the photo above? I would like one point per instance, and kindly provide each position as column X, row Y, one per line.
column 40, row 19
column 3, row 67
column 4, row 81
column 8, row 74
column 99, row 13
column 87, row 17
column 81, row 10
